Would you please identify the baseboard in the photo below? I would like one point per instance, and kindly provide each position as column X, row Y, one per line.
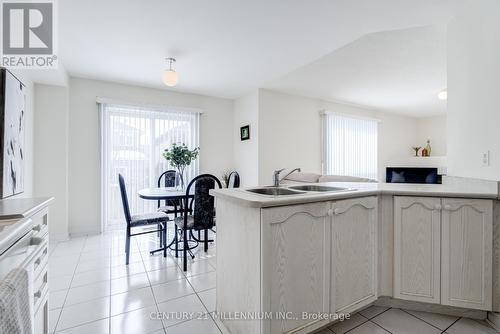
column 494, row 320
column 57, row 237
column 433, row 308
column 78, row 234
column 221, row 325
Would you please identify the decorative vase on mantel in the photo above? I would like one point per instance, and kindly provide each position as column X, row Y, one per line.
column 180, row 156
column 428, row 148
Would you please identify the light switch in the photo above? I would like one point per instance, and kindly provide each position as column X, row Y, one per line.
column 485, row 159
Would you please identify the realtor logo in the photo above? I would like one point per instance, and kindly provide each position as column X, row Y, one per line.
column 28, row 34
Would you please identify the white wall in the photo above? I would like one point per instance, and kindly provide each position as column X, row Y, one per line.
column 473, row 84
column 397, row 134
column 216, row 140
column 246, row 153
column 51, row 154
column 433, row 129
column 290, row 136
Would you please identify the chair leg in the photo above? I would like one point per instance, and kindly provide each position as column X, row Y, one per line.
column 165, row 239
column 206, row 240
column 184, row 251
column 160, row 233
column 127, row 246
column 176, row 242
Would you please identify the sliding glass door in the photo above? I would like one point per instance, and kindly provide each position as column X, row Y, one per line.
column 132, row 143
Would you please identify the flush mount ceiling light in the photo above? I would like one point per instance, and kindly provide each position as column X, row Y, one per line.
column 443, row 95
column 170, row 76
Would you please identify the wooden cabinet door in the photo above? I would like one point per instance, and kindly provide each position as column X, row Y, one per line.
column 295, row 260
column 354, row 254
column 417, row 238
column 467, row 243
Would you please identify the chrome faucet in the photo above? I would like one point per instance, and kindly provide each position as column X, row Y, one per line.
column 276, row 176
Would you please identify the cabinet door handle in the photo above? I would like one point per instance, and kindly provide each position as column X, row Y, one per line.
column 39, row 260
column 38, row 294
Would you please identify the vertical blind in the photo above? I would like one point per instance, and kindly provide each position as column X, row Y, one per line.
column 133, row 140
column 349, row 146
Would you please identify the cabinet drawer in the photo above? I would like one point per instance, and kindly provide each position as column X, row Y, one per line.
column 40, row 288
column 41, row 224
column 40, row 260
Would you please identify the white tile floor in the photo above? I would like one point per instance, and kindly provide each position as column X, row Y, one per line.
column 382, row 320
column 92, row 291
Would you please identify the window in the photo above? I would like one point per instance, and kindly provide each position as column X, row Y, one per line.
column 349, row 146
column 133, row 140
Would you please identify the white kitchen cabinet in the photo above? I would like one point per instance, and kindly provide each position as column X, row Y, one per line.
column 354, row 254
column 417, row 224
column 296, row 262
column 467, row 241
column 41, row 319
column 443, row 251
column 323, row 257
column 328, row 247
column 25, row 246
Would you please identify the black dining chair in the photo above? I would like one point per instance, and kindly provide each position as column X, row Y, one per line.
column 169, row 179
column 202, row 218
column 233, row 181
column 157, row 218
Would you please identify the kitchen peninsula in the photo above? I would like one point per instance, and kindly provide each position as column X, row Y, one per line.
column 331, row 250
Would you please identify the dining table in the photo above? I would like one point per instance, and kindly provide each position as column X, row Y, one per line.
column 165, row 194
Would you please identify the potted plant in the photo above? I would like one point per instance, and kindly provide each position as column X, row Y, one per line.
column 180, row 156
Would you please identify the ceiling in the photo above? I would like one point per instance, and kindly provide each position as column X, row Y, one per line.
column 227, row 48
column 398, row 71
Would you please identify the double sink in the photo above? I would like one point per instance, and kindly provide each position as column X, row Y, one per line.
column 295, row 190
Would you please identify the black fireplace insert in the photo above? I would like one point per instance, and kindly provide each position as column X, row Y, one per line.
column 412, row 175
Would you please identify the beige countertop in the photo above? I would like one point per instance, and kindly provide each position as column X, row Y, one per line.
column 17, row 208
column 13, row 224
column 451, row 187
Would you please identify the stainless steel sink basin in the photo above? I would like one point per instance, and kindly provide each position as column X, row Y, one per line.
column 317, row 188
column 272, row 191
